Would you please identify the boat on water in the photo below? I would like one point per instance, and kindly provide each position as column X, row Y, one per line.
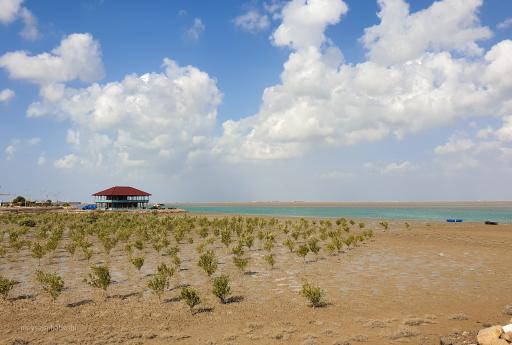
column 452, row 220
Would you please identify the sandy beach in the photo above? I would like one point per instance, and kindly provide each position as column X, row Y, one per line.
column 419, row 285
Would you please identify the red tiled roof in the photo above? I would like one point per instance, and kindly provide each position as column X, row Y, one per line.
column 121, row 191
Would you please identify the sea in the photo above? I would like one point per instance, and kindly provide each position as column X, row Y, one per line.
column 473, row 213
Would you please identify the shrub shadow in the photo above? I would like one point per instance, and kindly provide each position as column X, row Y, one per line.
column 203, row 310
column 234, row 299
column 79, row 303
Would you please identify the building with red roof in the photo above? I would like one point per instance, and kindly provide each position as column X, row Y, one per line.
column 121, row 197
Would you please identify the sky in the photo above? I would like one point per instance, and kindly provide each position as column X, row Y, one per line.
column 257, row 100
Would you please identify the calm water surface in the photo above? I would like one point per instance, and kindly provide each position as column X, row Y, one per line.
column 467, row 213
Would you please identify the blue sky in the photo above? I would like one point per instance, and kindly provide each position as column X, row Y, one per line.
column 300, row 141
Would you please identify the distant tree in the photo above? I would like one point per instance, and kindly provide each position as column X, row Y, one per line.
column 19, row 200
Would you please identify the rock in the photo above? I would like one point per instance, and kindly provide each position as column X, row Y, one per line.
column 498, row 342
column 507, row 310
column 486, row 336
column 507, row 336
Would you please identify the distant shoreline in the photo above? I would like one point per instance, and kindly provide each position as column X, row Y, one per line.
column 401, row 204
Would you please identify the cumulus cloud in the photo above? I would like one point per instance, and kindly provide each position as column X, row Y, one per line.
column 6, row 95
column 17, row 144
column 304, row 22
column 138, row 120
column 448, row 25
column 67, row 162
column 41, row 160
column 252, row 21
column 195, row 31
column 397, row 168
column 455, row 145
column 11, row 10
column 77, row 57
column 507, row 23
column 429, row 80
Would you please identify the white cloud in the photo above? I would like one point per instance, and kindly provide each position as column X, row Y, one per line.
column 304, row 23
column 17, row 144
column 334, row 174
column 448, row 25
column 398, row 168
column 252, row 21
column 140, row 119
column 507, row 23
column 73, row 138
column 10, row 150
column 484, row 133
column 6, row 95
column 34, row 141
column 195, row 31
column 322, row 101
column 77, row 57
column 66, row 162
column 10, row 10
column 455, row 145
column 41, row 160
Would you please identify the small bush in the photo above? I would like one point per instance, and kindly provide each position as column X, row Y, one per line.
column 208, row 262
column 28, row 223
column 99, row 277
column 6, row 286
column 384, row 224
column 313, row 245
column 38, row 252
column 302, row 251
column 138, row 263
column 190, row 297
column 240, row 262
column 270, row 260
column 51, row 283
column 158, row 283
column 313, row 294
column 165, row 270
column 289, row 244
column 221, row 288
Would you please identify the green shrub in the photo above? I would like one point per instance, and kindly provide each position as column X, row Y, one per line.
column 313, row 245
column 270, row 260
column 51, row 283
column 165, row 270
column 384, row 224
column 6, row 286
column 289, row 244
column 302, row 251
column 312, row 293
column 99, row 277
column 240, row 262
column 30, row 223
column 208, row 262
column 38, row 252
column 221, row 288
column 158, row 283
column 407, row 226
column 190, row 297
column 138, row 263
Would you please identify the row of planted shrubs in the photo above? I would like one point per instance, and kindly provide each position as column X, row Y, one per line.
column 43, row 234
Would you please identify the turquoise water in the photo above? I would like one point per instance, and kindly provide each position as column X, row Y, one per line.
column 468, row 214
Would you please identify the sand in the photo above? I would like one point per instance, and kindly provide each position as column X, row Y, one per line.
column 403, row 286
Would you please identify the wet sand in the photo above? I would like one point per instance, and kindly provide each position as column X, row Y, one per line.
column 403, row 286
